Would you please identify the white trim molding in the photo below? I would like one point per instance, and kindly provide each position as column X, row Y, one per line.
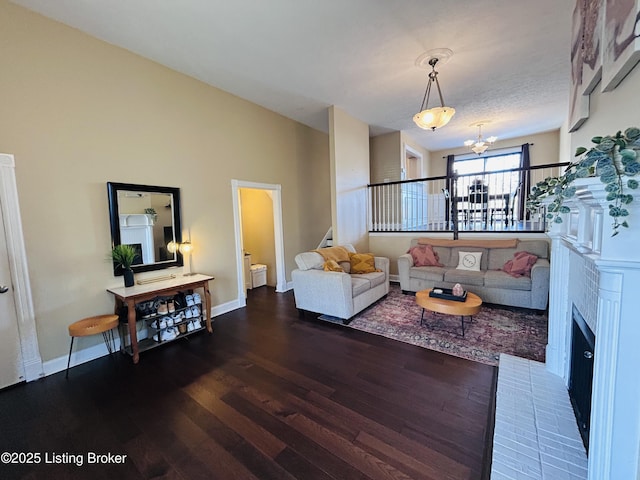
column 599, row 274
column 33, row 367
column 276, row 196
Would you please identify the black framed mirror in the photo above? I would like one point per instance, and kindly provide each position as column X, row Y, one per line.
column 146, row 217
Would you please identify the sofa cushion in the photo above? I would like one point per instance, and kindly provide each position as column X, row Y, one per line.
column 424, row 256
column 362, row 263
column 469, row 261
column 499, row 256
column 455, row 257
column 500, row 279
column 465, row 277
column 540, row 248
column 428, row 273
column 520, row 265
column 374, row 278
column 444, row 254
column 359, row 284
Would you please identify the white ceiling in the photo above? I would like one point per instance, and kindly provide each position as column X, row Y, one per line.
column 297, row 57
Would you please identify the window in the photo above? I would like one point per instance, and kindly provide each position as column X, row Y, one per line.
column 490, row 170
column 501, row 176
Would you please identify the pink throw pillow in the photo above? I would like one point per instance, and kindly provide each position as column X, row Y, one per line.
column 424, row 256
column 520, row 265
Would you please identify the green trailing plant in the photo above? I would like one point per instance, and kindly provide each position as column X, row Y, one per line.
column 123, row 256
column 614, row 159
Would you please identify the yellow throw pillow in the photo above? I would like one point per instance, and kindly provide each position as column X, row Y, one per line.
column 332, row 266
column 363, row 263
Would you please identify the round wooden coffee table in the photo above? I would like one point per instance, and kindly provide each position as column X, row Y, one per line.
column 468, row 308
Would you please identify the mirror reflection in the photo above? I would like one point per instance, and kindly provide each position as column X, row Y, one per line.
column 147, row 218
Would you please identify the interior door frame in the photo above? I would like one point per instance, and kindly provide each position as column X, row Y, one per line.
column 25, row 313
column 276, row 196
column 408, row 149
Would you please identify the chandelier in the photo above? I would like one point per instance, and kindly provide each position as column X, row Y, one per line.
column 480, row 145
column 436, row 117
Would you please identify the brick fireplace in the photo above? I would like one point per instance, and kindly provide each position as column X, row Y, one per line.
column 599, row 276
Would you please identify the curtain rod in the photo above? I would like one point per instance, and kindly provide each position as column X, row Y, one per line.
column 501, row 148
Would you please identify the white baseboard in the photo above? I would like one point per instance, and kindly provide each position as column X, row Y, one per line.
column 394, row 278
column 78, row 357
column 83, row 355
column 33, row 370
column 228, row 307
column 284, row 287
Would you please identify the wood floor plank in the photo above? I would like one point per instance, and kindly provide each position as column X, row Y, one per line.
column 270, row 445
column 299, row 467
column 301, row 443
column 342, row 448
column 270, row 395
column 371, row 466
column 292, row 376
column 419, row 469
column 391, row 437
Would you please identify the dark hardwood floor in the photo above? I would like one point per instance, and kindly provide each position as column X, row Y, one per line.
column 268, row 395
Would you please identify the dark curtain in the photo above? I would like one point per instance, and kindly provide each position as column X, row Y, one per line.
column 525, row 181
column 452, row 192
column 450, row 159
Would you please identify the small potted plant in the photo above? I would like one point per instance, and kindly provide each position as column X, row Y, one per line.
column 123, row 257
column 152, row 213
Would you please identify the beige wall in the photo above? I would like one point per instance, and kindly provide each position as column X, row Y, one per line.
column 78, row 112
column 610, row 112
column 385, row 152
column 545, row 149
column 408, row 141
column 349, row 158
column 257, row 229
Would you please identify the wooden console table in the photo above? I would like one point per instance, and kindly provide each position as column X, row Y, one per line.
column 130, row 296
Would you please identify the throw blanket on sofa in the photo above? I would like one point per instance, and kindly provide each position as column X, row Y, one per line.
column 337, row 254
column 445, row 242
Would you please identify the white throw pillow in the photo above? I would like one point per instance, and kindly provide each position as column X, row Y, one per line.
column 469, row 261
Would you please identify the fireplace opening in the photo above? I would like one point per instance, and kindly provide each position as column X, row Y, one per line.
column 138, row 248
column 581, row 373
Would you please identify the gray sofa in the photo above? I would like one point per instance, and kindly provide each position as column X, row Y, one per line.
column 491, row 283
column 338, row 294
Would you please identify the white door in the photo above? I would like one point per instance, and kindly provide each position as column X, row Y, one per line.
column 11, row 363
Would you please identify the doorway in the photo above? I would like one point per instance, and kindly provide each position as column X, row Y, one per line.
column 19, row 353
column 274, row 193
column 411, row 167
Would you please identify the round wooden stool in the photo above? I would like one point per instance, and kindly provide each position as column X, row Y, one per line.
column 91, row 326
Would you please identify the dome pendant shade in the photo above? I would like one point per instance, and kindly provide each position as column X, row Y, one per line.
column 436, row 117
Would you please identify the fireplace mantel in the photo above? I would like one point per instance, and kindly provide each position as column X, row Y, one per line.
column 600, row 275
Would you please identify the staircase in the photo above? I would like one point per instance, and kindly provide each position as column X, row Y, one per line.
column 327, row 240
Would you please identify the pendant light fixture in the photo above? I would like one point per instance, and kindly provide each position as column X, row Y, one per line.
column 436, row 117
column 480, row 145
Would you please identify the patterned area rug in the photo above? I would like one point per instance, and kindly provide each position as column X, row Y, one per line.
column 494, row 330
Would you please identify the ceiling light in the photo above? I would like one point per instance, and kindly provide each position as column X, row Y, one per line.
column 480, row 145
column 436, row 117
